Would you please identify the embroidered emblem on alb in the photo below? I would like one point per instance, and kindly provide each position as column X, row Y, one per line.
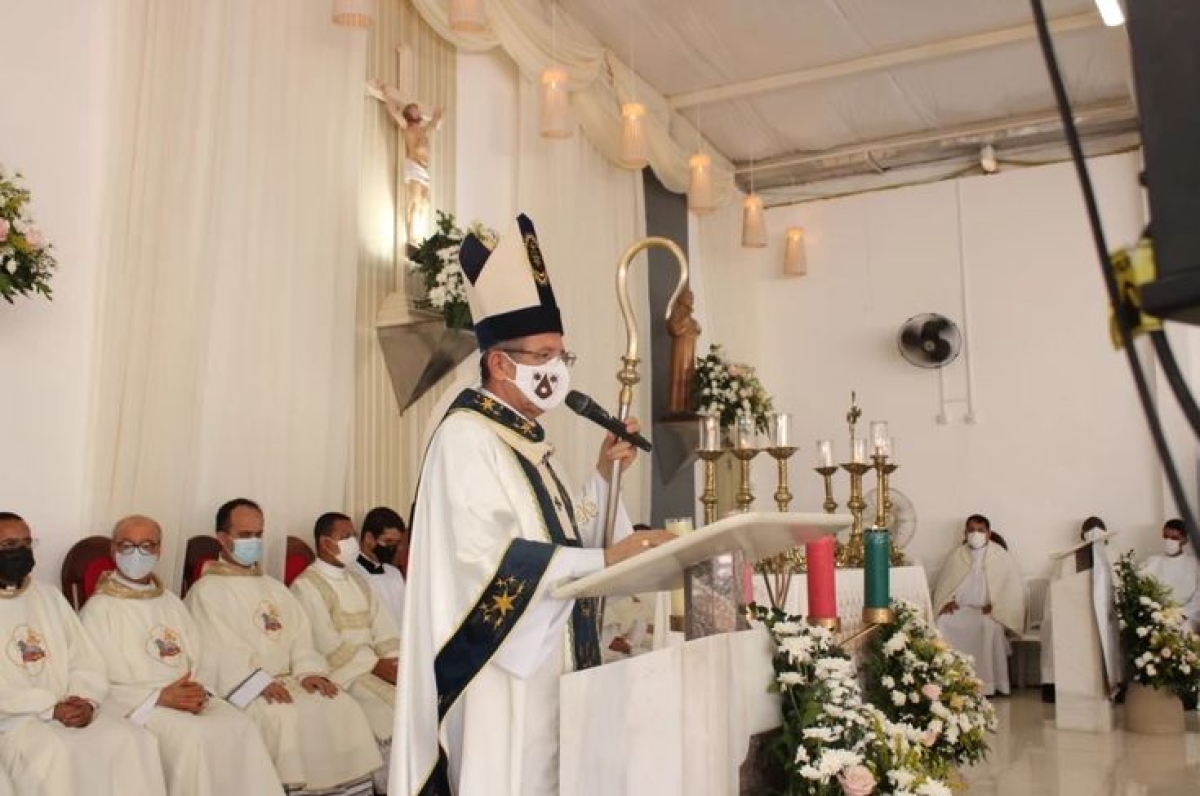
column 586, row 510
column 27, row 648
column 267, row 619
column 164, row 645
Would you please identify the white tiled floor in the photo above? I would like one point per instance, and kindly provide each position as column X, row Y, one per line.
column 1031, row 758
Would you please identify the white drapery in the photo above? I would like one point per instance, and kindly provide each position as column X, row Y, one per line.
column 226, row 348
column 599, row 83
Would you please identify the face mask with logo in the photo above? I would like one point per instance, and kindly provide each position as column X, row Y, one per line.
column 546, row 386
column 247, row 552
column 977, row 540
column 347, row 551
column 1172, row 547
column 15, row 566
column 135, row 564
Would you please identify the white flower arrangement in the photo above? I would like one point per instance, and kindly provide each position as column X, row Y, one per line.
column 436, row 261
column 834, row 741
column 26, row 263
column 1159, row 648
column 728, row 390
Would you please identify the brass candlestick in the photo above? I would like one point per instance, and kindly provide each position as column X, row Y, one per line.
column 851, row 554
column 744, row 497
column 783, row 495
column 709, row 498
column 830, row 505
column 883, row 500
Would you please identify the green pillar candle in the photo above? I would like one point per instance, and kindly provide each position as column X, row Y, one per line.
column 877, row 605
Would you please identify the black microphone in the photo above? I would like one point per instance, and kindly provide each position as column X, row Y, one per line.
column 585, row 407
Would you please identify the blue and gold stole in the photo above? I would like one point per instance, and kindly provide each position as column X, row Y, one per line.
column 512, row 586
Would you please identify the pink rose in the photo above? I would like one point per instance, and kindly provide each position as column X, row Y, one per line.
column 929, row 738
column 4, row 227
column 857, row 781
column 34, row 238
column 931, row 691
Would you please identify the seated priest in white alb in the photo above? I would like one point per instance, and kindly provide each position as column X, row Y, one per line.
column 979, row 599
column 1178, row 568
column 351, row 629
column 494, row 528
column 54, row 740
column 382, row 537
column 151, row 649
column 258, row 650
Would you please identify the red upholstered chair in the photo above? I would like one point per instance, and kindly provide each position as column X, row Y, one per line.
column 299, row 556
column 86, row 561
column 200, row 550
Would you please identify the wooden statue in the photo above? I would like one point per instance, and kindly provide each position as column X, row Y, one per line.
column 684, row 330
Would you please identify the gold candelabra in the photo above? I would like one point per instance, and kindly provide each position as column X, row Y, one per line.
column 744, row 496
column 851, row 554
column 709, row 497
column 783, row 495
column 830, row 505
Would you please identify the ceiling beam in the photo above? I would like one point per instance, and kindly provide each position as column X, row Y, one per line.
column 975, row 133
column 886, row 60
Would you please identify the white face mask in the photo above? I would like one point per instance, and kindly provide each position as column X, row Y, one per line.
column 1172, row 547
column 348, row 551
column 135, row 564
column 977, row 540
column 1092, row 534
column 546, row 386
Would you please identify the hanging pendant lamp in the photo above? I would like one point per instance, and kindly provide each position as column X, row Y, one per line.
column 354, row 13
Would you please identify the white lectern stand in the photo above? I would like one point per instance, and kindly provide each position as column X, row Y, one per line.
column 678, row 721
column 1081, row 693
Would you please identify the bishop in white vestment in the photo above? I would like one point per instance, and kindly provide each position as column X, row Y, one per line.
column 53, row 740
column 979, row 598
column 494, row 528
column 350, row 629
column 249, row 623
column 152, row 653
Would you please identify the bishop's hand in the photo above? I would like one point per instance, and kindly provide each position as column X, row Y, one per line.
column 617, row 450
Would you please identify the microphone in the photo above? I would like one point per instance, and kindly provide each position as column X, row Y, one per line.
column 584, row 406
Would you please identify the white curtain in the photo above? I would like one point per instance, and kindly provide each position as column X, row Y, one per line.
column 226, row 345
column 599, row 83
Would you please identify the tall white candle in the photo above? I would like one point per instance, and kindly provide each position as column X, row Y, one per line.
column 780, row 428
column 879, row 437
column 710, row 433
column 744, row 432
column 825, row 453
column 858, row 451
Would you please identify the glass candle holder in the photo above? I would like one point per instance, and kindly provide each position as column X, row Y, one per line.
column 779, row 427
column 825, row 453
column 858, row 451
column 744, row 432
column 880, row 441
column 710, row 434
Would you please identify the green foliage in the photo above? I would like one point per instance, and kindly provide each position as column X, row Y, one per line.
column 26, row 263
column 436, row 261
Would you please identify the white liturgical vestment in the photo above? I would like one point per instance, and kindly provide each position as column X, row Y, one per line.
column 1181, row 574
column 249, row 621
column 148, row 641
column 388, row 584
column 48, row 657
column 482, row 642
column 975, row 579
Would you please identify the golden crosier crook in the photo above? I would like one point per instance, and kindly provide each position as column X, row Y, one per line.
column 628, row 374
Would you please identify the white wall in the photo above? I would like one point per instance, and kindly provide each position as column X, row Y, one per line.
column 1059, row 433
column 54, row 61
column 486, row 144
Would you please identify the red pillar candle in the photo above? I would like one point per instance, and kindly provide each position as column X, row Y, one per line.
column 822, row 586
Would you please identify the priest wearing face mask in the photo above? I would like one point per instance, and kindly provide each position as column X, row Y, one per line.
column 351, row 629
column 151, row 651
column 259, row 651
column 383, row 537
column 495, row 526
column 1179, row 569
column 53, row 738
column 979, row 599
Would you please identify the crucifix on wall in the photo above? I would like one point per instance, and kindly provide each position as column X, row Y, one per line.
column 414, row 149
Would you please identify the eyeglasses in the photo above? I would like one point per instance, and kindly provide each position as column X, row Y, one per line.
column 16, row 544
column 544, row 357
column 148, row 547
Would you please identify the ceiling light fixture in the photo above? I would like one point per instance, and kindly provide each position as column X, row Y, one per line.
column 467, row 16
column 556, row 100
column 354, row 13
column 795, row 262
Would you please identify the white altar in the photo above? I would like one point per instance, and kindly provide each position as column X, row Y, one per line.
column 675, row 722
column 907, row 583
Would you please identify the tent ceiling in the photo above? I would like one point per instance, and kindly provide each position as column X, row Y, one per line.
column 817, row 90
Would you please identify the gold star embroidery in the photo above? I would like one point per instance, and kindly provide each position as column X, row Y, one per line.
column 487, row 404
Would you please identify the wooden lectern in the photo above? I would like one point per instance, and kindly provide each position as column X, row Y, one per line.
column 678, row 721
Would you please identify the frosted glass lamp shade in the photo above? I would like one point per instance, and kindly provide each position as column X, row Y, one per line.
column 795, row 263
column 754, row 224
column 467, row 16
column 354, row 13
column 700, row 188
column 633, row 136
column 556, row 104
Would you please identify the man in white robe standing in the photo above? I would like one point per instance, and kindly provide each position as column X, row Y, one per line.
column 257, row 638
column 383, row 536
column 53, row 739
column 979, row 598
column 1178, row 568
column 151, row 650
column 493, row 529
column 351, row 629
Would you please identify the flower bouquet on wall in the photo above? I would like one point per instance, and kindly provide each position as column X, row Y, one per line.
column 1159, row 649
column 839, row 740
column 26, row 263
column 726, row 390
column 443, row 283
